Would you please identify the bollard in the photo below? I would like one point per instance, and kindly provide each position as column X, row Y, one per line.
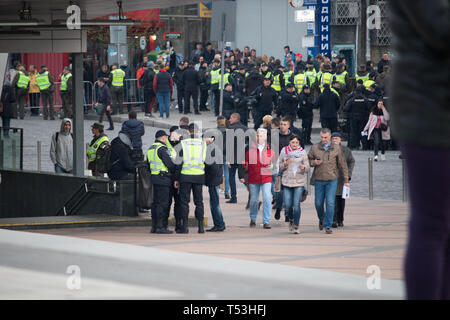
column 405, row 191
column 38, row 156
column 370, row 179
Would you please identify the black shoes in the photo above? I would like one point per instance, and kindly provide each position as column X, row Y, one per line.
column 201, row 229
column 231, row 201
column 267, row 226
column 340, row 224
column 196, row 112
column 334, row 225
column 215, row 229
column 227, row 196
column 286, row 219
column 252, row 224
column 110, row 128
column 277, row 214
column 320, row 225
column 163, row 231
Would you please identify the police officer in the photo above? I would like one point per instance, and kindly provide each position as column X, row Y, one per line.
column 215, row 78
column 288, row 102
column 66, row 92
column 358, row 109
column 22, row 83
column 117, row 77
column 172, row 142
column 96, row 148
column 312, row 77
column 300, row 79
column 305, row 113
column 190, row 175
column 326, row 77
column 265, row 72
column 161, row 168
column 266, row 98
column 278, row 79
column 45, row 82
column 362, row 74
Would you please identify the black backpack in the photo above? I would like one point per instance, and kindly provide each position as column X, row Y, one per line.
column 104, row 163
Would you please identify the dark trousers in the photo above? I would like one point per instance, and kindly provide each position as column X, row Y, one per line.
column 427, row 260
column 187, row 100
column 330, row 123
column 356, row 127
column 66, row 99
column 203, row 99
column 185, row 196
column 34, row 103
column 180, row 97
column 216, row 102
column 378, row 142
column 108, row 115
column 160, row 206
column 175, row 195
column 307, row 129
column 21, row 101
column 47, row 100
column 339, row 207
column 117, row 99
column 232, row 180
column 149, row 98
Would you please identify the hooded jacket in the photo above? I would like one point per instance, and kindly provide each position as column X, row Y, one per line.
column 136, row 130
column 121, row 157
column 61, row 148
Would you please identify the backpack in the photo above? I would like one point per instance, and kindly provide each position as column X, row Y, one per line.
column 104, row 163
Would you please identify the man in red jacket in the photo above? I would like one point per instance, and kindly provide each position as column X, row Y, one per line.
column 259, row 163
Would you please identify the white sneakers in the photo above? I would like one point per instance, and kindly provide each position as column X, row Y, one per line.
column 375, row 158
column 296, row 230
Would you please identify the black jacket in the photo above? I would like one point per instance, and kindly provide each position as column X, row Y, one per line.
column 306, row 105
column 253, row 81
column 228, row 102
column 420, row 112
column 209, row 55
column 178, row 78
column 205, row 81
column 358, row 107
column 121, row 158
column 105, row 96
column 266, row 98
column 235, row 143
column 328, row 103
column 7, row 99
column 190, row 79
column 213, row 169
column 147, row 79
column 237, row 80
column 288, row 103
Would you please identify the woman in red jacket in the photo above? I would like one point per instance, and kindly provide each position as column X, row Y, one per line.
column 259, row 163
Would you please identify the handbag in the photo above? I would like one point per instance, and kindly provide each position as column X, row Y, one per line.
column 304, row 195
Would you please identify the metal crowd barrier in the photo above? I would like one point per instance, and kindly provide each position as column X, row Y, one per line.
column 132, row 95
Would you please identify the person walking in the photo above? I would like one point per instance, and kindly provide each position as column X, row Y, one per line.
column 339, row 206
column 213, row 178
column 97, row 149
column 190, row 176
column 22, row 83
column 305, row 112
column 149, row 95
column 259, row 162
column 61, row 148
column 326, row 158
column 33, row 91
column 288, row 102
column 204, row 85
column 358, row 110
column 66, row 92
column 163, row 86
column 117, row 88
column 178, row 80
column 104, row 101
column 161, row 168
column 293, row 165
column 266, row 98
column 378, row 129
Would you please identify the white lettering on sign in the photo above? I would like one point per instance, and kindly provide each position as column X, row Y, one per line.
column 73, row 22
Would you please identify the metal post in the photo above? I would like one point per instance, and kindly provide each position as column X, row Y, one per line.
column 405, row 186
column 78, row 114
column 38, row 156
column 14, row 154
column 370, row 179
column 222, row 70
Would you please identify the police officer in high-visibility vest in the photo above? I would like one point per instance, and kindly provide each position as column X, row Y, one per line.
column 161, row 169
column 117, row 79
column 300, row 79
column 361, row 74
column 265, row 72
column 288, row 76
column 215, row 78
column 278, row 79
column 172, row 145
column 370, row 81
column 96, row 148
column 312, row 76
column 66, row 92
column 191, row 176
column 326, row 77
column 45, row 82
column 22, row 83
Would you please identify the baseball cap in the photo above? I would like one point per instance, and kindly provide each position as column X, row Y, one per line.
column 336, row 134
column 160, row 133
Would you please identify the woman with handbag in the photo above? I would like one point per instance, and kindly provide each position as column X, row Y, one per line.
column 378, row 129
column 293, row 163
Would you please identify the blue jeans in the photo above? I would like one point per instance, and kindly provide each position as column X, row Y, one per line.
column 267, row 200
column 226, row 176
column 214, row 204
column 232, row 180
column 325, row 191
column 58, row 169
column 164, row 103
column 291, row 198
